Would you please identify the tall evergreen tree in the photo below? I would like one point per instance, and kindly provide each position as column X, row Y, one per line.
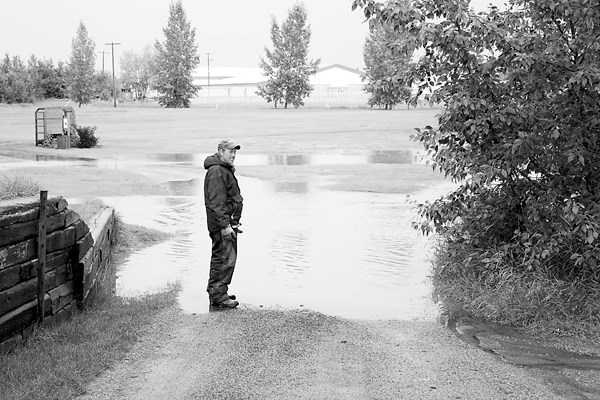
column 80, row 77
column 287, row 66
column 175, row 60
column 387, row 67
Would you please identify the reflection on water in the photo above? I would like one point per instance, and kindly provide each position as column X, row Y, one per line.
column 293, row 159
column 185, row 188
column 392, row 157
column 197, row 160
column 173, row 157
column 292, row 187
column 373, row 157
column 341, row 253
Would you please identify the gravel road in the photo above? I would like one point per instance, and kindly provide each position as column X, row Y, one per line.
column 256, row 353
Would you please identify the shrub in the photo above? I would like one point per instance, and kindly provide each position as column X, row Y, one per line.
column 86, row 137
column 496, row 283
column 12, row 187
column 519, row 133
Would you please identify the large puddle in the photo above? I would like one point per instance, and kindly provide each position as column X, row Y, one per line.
column 27, row 159
column 348, row 254
column 342, row 253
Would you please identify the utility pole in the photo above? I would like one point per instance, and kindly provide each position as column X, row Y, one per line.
column 112, row 45
column 208, row 60
column 103, row 53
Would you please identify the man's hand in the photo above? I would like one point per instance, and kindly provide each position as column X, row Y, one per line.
column 228, row 233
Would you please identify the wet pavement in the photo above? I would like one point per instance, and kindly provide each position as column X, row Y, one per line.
column 570, row 368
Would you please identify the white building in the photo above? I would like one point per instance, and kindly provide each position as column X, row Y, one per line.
column 334, row 85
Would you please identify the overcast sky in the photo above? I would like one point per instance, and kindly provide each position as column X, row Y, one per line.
column 234, row 32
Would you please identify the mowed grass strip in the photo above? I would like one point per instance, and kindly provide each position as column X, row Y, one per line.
column 58, row 362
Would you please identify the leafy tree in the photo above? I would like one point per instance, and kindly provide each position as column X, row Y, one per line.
column 176, row 59
column 80, row 77
column 34, row 79
column 136, row 72
column 387, row 66
column 520, row 131
column 103, row 85
column 48, row 81
column 287, row 66
column 57, row 81
column 38, row 80
column 14, row 81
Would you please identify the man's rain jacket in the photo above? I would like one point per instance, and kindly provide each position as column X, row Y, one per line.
column 222, row 196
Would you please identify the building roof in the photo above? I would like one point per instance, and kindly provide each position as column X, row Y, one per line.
column 232, row 76
column 340, row 66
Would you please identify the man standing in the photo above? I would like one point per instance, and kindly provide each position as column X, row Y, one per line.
column 224, row 203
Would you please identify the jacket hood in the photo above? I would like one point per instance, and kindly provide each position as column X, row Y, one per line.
column 215, row 160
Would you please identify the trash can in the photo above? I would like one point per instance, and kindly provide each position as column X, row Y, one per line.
column 62, row 142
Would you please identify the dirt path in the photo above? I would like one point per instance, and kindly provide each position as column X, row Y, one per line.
column 254, row 353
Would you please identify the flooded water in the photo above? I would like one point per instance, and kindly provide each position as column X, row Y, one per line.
column 26, row 159
column 348, row 254
column 341, row 253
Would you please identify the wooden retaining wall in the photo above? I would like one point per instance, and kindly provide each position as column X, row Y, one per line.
column 76, row 257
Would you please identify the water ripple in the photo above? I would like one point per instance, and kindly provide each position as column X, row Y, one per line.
column 290, row 254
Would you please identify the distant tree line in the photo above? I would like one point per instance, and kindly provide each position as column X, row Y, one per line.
column 35, row 80
column 167, row 67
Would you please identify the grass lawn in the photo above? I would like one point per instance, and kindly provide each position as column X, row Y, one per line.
column 132, row 132
column 58, row 362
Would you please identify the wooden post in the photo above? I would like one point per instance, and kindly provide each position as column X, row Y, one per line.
column 41, row 267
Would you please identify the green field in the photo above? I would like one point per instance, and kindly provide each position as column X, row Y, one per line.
column 133, row 132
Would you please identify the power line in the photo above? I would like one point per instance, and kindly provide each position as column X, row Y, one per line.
column 208, row 60
column 112, row 45
column 103, row 53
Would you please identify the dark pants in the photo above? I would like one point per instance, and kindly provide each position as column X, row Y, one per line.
column 222, row 264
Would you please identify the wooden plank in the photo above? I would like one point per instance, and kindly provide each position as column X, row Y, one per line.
column 9, row 277
column 22, row 272
column 82, row 246
column 21, row 319
column 53, row 261
column 18, row 253
column 89, row 278
column 41, row 271
column 71, row 217
column 27, row 209
column 61, row 296
column 24, row 292
column 80, row 269
column 13, row 322
column 60, row 240
column 18, row 295
column 82, row 229
column 20, row 231
column 59, row 276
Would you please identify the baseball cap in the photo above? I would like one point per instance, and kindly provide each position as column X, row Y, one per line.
column 229, row 145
